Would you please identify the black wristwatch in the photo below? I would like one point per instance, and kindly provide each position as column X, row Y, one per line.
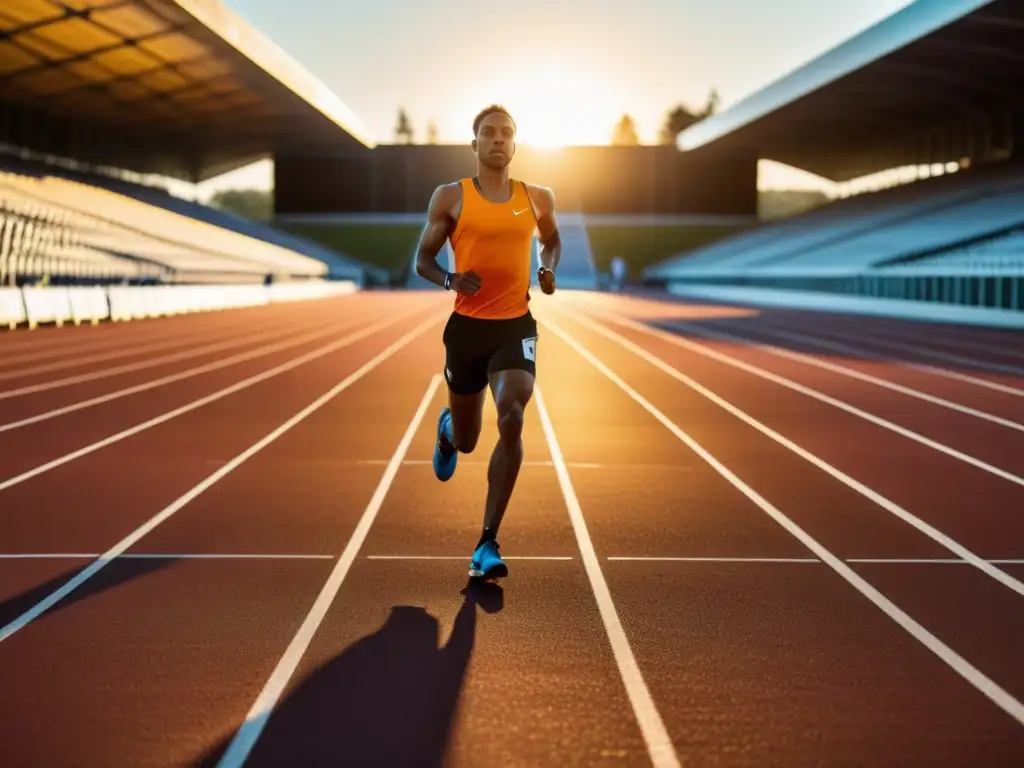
column 541, row 270
column 448, row 281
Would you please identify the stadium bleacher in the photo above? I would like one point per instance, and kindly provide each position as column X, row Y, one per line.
column 93, row 93
column 72, row 226
column 949, row 238
column 952, row 239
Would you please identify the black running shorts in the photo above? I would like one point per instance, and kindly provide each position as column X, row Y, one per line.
column 476, row 348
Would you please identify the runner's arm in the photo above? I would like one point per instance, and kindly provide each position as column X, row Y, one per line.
column 547, row 228
column 439, row 225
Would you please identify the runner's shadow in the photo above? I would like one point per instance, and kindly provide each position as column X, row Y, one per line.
column 390, row 699
column 110, row 577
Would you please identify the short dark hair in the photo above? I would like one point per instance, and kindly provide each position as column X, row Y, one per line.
column 490, row 110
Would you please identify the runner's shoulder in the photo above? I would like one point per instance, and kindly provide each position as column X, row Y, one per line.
column 543, row 197
column 446, row 197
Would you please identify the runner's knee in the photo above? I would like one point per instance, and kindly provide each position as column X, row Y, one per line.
column 510, row 419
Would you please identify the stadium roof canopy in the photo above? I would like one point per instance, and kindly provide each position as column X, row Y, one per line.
column 183, row 88
column 930, row 65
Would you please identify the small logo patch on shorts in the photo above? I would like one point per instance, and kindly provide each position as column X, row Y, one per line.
column 530, row 349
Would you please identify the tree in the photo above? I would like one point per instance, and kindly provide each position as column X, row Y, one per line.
column 679, row 118
column 624, row 133
column 403, row 130
column 253, row 204
column 431, row 132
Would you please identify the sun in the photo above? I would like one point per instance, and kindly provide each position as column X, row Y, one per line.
column 553, row 107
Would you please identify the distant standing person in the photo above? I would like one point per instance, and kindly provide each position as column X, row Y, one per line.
column 491, row 336
column 618, row 268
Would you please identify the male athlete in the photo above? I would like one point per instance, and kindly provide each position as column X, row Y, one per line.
column 491, row 337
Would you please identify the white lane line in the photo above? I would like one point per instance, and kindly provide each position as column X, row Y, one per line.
column 965, row 669
column 159, row 556
column 932, row 369
column 871, row 560
column 83, row 346
column 478, row 463
column 974, row 362
column 720, row 559
column 651, row 558
column 49, row 556
column 219, row 556
column 173, row 378
column 461, row 557
column 842, row 370
column 807, row 391
column 70, row 359
column 147, row 362
column 245, row 738
column 925, row 561
column 130, row 540
column 959, row 342
column 659, row 743
column 885, row 503
column 213, row 397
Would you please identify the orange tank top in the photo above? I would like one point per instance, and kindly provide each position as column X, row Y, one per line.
column 495, row 240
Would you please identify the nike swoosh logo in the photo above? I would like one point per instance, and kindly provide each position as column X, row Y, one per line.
column 516, row 213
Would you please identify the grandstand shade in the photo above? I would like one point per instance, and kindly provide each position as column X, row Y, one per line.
column 935, row 82
column 182, row 88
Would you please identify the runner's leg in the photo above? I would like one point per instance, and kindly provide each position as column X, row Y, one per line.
column 512, row 391
column 511, row 373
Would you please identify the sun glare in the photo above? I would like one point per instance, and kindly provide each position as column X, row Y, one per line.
column 553, row 108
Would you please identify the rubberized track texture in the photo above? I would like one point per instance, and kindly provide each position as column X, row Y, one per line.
column 739, row 538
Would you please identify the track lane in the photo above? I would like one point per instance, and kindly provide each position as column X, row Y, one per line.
column 141, row 667
column 579, row 663
column 927, row 335
column 174, row 351
column 978, row 363
column 983, row 435
column 40, row 354
column 47, row 394
column 989, row 652
column 50, row 340
column 878, row 458
column 420, row 668
column 689, row 659
column 159, row 462
column 936, row 381
column 193, row 662
column 108, row 361
column 32, row 448
column 57, row 398
column 796, row 624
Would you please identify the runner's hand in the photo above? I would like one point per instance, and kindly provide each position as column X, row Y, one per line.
column 546, row 278
column 467, row 283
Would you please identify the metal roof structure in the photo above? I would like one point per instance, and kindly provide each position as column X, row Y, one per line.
column 183, row 88
column 933, row 64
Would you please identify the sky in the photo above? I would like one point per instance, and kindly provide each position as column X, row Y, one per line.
column 567, row 70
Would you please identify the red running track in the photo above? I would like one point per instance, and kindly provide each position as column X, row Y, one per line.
column 730, row 544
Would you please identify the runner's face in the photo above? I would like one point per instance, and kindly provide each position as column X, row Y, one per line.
column 495, row 141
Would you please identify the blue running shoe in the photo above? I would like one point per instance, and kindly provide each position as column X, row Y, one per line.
column 487, row 563
column 444, row 466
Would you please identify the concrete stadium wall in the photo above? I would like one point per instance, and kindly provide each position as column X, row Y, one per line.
column 592, row 180
column 31, row 306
